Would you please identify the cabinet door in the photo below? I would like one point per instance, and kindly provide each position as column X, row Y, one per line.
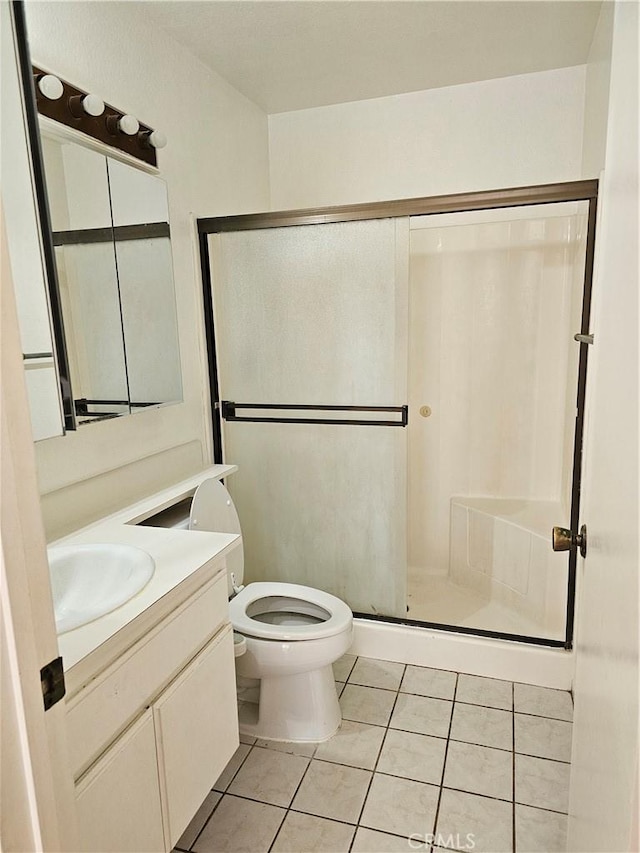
column 118, row 799
column 196, row 721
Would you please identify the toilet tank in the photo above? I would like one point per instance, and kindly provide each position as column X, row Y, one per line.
column 212, row 509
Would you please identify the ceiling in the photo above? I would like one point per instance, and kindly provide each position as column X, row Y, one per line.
column 293, row 54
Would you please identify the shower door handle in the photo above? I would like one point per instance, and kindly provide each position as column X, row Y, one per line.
column 564, row 540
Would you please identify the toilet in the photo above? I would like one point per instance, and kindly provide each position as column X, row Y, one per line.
column 287, row 637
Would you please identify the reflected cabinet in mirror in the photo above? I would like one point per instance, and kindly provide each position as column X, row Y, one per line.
column 110, row 225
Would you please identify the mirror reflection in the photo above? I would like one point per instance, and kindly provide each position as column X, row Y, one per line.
column 112, row 244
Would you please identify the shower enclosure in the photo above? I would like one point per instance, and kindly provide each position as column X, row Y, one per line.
column 398, row 384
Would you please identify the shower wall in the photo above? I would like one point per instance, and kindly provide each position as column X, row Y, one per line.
column 495, row 299
column 500, row 549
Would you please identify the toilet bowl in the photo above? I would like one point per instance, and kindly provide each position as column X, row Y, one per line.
column 293, row 634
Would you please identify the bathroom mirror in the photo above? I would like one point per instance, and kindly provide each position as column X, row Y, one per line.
column 110, row 227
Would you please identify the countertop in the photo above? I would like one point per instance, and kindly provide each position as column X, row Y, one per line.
column 184, row 559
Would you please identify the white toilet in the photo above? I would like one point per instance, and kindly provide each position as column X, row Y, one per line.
column 293, row 634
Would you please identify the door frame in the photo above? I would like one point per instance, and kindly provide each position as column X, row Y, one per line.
column 539, row 194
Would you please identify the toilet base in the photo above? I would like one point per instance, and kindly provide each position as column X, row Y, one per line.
column 301, row 708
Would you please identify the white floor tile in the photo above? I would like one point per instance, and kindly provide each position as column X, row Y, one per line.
column 538, row 831
column 354, row 744
column 543, row 737
column 491, row 692
column 542, row 783
column 199, row 819
column 413, row 756
column 479, row 770
column 377, row 673
column 343, row 666
column 333, row 791
column 269, row 776
column 543, row 702
column 313, row 835
column 367, row 704
column 400, row 806
column 240, row 826
column 371, row 841
column 437, row 683
column 235, row 762
column 466, row 821
column 484, row 726
column 422, row 715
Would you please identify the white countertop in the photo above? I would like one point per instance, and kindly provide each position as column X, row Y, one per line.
column 184, row 560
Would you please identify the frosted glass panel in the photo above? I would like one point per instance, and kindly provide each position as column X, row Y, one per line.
column 317, row 315
column 324, row 506
column 313, row 314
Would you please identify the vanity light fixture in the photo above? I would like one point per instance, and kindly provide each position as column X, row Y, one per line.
column 152, row 139
column 127, row 124
column 90, row 104
column 50, row 86
column 63, row 102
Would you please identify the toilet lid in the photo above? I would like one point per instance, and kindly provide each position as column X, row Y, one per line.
column 339, row 618
column 212, row 509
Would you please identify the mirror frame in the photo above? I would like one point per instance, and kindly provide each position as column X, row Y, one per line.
column 44, row 216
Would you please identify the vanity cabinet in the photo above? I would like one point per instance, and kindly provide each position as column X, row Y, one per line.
column 118, row 800
column 152, row 733
column 194, row 731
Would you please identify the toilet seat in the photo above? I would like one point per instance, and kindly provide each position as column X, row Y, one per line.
column 301, row 599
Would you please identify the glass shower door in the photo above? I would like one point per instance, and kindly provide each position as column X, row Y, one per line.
column 311, row 338
column 495, row 300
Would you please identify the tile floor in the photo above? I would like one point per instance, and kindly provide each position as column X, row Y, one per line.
column 424, row 760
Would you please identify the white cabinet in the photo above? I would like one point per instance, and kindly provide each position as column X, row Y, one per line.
column 118, row 800
column 147, row 782
column 192, row 722
column 109, row 703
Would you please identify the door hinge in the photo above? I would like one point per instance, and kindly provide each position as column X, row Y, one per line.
column 52, row 682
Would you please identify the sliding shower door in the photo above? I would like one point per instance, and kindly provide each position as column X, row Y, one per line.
column 311, row 346
column 495, row 300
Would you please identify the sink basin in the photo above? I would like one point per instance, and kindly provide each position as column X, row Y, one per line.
column 88, row 581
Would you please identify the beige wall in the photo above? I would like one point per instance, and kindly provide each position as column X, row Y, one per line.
column 216, row 162
column 596, row 101
column 513, row 131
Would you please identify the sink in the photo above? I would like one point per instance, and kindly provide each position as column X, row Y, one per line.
column 88, row 581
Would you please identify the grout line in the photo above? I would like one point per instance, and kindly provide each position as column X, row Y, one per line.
column 513, row 769
column 543, row 717
column 455, row 740
column 465, row 791
column 444, row 763
column 375, row 766
column 289, row 807
column 544, row 758
column 541, row 808
column 355, row 660
column 240, row 766
column 220, row 798
column 222, row 793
